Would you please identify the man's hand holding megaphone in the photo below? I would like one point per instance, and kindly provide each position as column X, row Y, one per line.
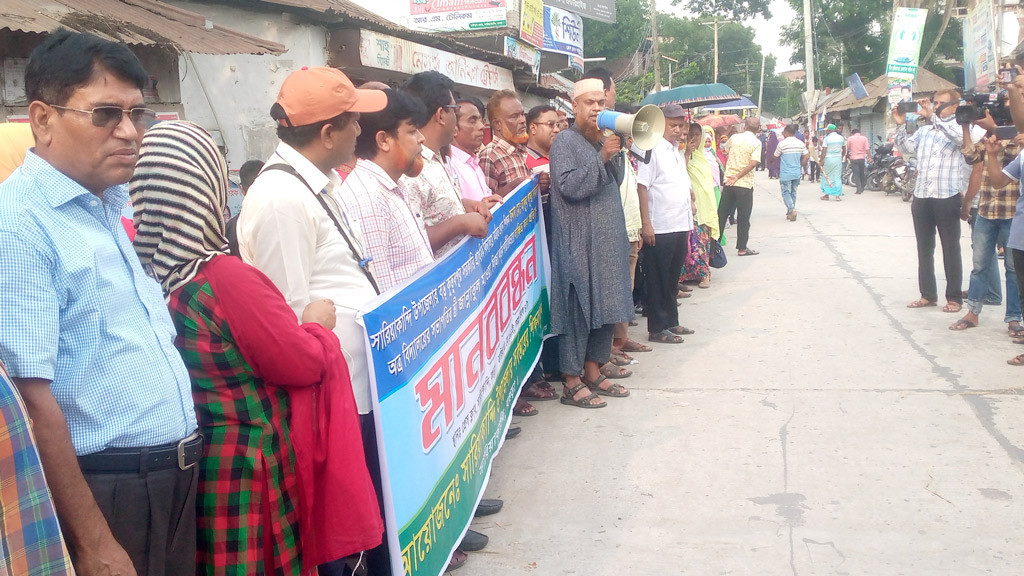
column 612, row 146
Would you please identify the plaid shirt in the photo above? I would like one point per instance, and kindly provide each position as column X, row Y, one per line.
column 31, row 543
column 995, row 203
column 393, row 233
column 941, row 167
column 503, row 162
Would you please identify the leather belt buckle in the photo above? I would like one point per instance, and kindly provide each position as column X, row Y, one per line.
column 186, row 452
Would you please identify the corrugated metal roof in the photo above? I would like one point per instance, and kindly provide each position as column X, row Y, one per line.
column 137, row 22
column 926, row 82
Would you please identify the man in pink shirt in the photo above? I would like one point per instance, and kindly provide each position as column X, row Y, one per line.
column 857, row 146
column 469, row 136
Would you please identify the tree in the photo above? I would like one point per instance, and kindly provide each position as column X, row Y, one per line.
column 729, row 9
column 622, row 38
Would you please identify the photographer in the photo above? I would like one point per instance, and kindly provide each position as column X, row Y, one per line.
column 996, row 205
column 942, row 173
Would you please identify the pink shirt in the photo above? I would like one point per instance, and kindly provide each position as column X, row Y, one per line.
column 857, row 146
column 470, row 178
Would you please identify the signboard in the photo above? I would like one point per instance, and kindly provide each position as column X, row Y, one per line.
column 576, row 63
column 448, row 353
column 563, row 32
column 457, row 15
column 905, row 42
column 531, row 23
column 980, row 66
column 603, row 10
column 856, row 86
column 389, row 53
column 523, row 52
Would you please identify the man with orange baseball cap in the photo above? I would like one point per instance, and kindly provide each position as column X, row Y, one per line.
column 292, row 226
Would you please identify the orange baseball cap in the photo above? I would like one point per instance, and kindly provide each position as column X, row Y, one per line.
column 314, row 94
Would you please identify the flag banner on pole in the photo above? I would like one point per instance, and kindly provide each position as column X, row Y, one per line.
column 449, row 351
column 905, row 42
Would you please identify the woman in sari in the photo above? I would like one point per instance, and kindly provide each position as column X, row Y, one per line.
column 773, row 162
column 702, row 181
column 833, row 148
column 247, row 357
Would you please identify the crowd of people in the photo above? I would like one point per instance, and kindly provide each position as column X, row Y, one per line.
column 172, row 382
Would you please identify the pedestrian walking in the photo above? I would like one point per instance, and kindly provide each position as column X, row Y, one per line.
column 814, row 164
column 770, row 157
column 792, row 155
column 858, row 154
column 832, row 152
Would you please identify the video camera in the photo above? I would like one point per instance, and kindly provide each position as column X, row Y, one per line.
column 974, row 104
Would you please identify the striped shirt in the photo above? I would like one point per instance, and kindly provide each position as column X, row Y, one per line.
column 941, row 167
column 31, row 543
column 394, row 235
column 88, row 317
column 503, row 162
column 791, row 153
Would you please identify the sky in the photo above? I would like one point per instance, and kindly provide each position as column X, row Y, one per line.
column 766, row 32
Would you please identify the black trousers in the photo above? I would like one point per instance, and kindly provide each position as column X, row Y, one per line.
column 815, row 170
column 941, row 215
column 663, row 265
column 152, row 516
column 859, row 173
column 742, row 201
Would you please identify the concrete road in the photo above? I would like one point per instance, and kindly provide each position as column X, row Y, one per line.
column 813, row 425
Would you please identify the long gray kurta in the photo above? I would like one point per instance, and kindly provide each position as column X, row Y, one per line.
column 589, row 247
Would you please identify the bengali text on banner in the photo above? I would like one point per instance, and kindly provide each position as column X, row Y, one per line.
column 449, row 351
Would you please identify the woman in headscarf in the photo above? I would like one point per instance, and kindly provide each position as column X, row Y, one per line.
column 773, row 162
column 242, row 346
column 702, row 181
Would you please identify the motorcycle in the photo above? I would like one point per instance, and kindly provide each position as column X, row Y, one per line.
column 879, row 173
column 905, row 178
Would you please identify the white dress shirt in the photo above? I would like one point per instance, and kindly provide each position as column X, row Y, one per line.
column 284, row 232
column 668, row 189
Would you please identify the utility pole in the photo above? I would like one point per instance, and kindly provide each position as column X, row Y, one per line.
column 760, row 91
column 716, row 46
column 655, row 47
column 809, row 59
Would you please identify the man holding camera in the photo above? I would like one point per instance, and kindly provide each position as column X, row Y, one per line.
column 942, row 172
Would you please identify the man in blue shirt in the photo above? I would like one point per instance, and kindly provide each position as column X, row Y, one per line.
column 85, row 332
column 792, row 154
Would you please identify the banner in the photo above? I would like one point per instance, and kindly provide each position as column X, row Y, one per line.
column 531, row 23
column 524, row 53
column 603, row 10
column 980, row 66
column 448, row 354
column 856, row 86
column 378, row 50
column 905, row 42
column 457, row 15
column 563, row 32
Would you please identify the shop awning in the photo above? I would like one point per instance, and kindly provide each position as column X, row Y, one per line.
column 135, row 22
column 743, row 103
column 693, row 95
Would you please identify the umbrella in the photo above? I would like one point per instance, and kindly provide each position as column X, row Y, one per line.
column 743, row 103
column 717, row 121
column 693, row 95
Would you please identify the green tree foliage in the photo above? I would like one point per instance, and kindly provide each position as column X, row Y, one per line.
column 728, row 9
column 633, row 25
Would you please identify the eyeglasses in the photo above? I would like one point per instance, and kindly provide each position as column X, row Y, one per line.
column 452, row 107
column 563, row 124
column 110, row 116
column 552, row 124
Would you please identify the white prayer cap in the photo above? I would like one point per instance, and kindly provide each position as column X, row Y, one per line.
column 587, row 85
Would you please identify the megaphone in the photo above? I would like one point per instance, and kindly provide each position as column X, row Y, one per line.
column 646, row 127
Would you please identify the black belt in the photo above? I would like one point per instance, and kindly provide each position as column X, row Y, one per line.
column 183, row 454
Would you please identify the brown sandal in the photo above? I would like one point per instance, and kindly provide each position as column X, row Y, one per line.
column 615, row 390
column 1017, row 360
column 585, row 402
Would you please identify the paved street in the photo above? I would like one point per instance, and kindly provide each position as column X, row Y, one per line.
column 813, row 425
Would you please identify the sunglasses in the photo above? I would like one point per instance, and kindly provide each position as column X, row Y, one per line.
column 110, row 116
column 550, row 125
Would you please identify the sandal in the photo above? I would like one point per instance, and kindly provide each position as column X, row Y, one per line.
column 1015, row 331
column 619, row 360
column 458, row 559
column 585, row 402
column 533, row 391
column 524, row 408
column 634, row 346
column 922, row 303
column 681, row 330
column 664, row 337
column 1016, row 360
column 1018, row 340
column 614, row 372
column 614, row 391
column 952, row 307
column 962, row 324
column 748, row 252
